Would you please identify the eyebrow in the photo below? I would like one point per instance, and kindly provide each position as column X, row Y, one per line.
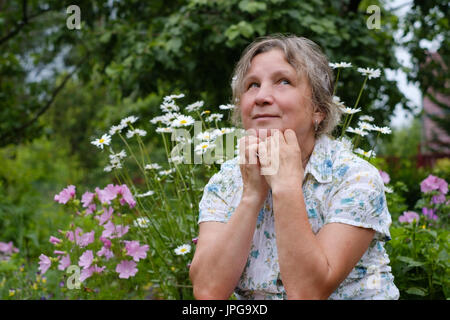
column 282, row 72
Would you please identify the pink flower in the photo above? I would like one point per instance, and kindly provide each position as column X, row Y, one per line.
column 65, row 195
column 88, row 272
column 54, row 240
column 70, row 235
column 44, row 263
column 105, row 196
column 126, row 269
column 91, row 208
column 59, row 252
column 121, row 230
column 106, row 242
column 111, row 231
column 127, row 197
column 64, row 263
column 195, row 240
column 429, row 213
column 385, row 177
column 85, row 239
column 86, row 259
column 434, row 183
column 409, row 217
column 8, row 248
column 108, row 254
column 87, row 199
column 438, row 199
column 105, row 216
column 135, row 250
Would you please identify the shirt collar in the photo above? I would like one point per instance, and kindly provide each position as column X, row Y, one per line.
column 320, row 163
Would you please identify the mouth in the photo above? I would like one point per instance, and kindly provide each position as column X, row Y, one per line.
column 265, row 116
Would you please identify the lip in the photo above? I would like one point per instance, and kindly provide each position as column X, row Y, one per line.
column 265, row 116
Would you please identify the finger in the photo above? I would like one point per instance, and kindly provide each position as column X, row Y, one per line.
column 262, row 152
column 290, row 137
column 252, row 154
column 251, row 132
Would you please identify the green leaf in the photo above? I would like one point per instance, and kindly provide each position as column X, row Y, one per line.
column 252, row 6
column 411, row 262
column 417, row 291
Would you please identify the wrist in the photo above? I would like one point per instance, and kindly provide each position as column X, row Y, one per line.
column 287, row 187
column 253, row 200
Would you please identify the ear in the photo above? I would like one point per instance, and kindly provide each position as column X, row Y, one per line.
column 318, row 115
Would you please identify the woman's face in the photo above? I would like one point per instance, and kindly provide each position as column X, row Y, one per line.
column 274, row 97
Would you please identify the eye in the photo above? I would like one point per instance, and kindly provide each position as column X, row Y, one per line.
column 285, row 81
column 253, row 84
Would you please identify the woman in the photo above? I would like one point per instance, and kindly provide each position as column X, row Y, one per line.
column 313, row 228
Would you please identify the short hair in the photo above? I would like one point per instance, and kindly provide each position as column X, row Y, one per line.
column 308, row 60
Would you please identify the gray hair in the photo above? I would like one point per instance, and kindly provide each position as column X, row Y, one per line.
column 308, row 60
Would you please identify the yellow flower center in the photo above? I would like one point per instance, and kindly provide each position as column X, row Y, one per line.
column 183, row 121
column 101, row 140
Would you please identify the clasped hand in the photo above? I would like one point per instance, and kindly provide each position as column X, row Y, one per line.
column 275, row 162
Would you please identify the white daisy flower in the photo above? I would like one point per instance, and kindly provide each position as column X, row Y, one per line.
column 166, row 172
column 388, row 189
column 359, row 131
column 338, row 101
column 214, row 117
column 205, row 136
column 365, row 126
column 366, row 118
column 183, row 249
column 182, row 121
column 173, row 97
column 227, row 106
column 152, row 166
column 104, row 140
column 147, row 194
column 164, row 130
column 368, row 154
column 340, row 65
column 202, row 147
column 194, row 106
column 169, row 107
column 122, row 154
column 141, row 222
column 113, row 165
column 348, row 110
column 371, row 73
column 383, row 130
column 176, row 159
column 116, row 129
column 138, row 132
column 128, row 120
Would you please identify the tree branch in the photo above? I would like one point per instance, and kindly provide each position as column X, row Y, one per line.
column 25, row 20
column 7, row 137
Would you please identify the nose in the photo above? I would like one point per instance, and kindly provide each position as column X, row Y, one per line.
column 264, row 95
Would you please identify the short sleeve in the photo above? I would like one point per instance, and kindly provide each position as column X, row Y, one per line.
column 220, row 194
column 360, row 201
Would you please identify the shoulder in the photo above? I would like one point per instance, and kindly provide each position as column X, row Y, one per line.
column 229, row 174
column 349, row 168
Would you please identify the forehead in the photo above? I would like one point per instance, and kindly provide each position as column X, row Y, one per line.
column 270, row 62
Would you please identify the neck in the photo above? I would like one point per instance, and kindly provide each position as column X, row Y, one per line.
column 307, row 148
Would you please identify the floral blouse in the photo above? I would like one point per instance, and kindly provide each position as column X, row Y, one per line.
column 338, row 187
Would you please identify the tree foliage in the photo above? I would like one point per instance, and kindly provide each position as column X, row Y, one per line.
column 134, row 48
